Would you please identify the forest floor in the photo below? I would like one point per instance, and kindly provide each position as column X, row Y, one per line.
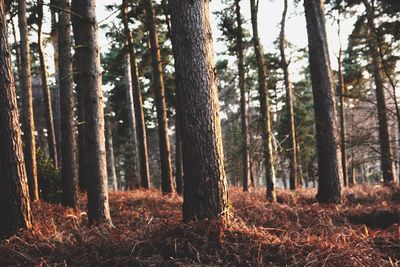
column 296, row 231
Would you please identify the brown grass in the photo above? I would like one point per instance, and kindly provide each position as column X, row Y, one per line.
column 148, row 230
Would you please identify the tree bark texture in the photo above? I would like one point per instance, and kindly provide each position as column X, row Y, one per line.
column 138, row 103
column 112, row 174
column 51, row 137
column 387, row 164
column 264, row 106
column 167, row 184
column 289, row 102
column 178, row 155
column 87, row 56
column 243, row 106
column 205, row 192
column 15, row 212
column 27, row 105
column 69, row 168
column 329, row 165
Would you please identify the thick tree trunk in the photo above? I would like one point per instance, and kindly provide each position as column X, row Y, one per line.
column 289, row 102
column 329, row 166
column 158, row 85
column 205, row 189
column 243, row 106
column 132, row 175
column 69, row 168
column 137, row 97
column 112, row 174
column 264, row 106
column 51, row 138
column 387, row 165
column 15, row 212
column 87, row 56
column 178, row 154
column 27, row 105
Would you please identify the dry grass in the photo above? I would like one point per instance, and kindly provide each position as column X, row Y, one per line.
column 296, row 231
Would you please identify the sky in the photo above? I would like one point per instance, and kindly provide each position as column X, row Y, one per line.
column 269, row 17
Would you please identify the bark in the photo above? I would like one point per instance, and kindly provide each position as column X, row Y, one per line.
column 15, row 212
column 51, row 138
column 289, row 102
column 69, row 168
column 329, row 165
column 27, row 105
column 137, row 97
column 112, row 175
column 264, row 106
column 205, row 189
column 167, row 185
column 387, row 164
column 132, row 176
column 243, row 107
column 342, row 121
column 87, row 56
column 178, row 155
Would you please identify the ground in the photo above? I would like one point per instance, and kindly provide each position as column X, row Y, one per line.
column 148, row 231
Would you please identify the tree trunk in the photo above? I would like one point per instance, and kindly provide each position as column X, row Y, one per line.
column 289, row 102
column 158, row 85
column 132, row 175
column 387, row 165
column 329, row 166
column 264, row 106
column 27, row 105
column 112, row 175
column 88, row 68
column 56, row 91
column 15, row 212
column 178, row 154
column 69, row 168
column 137, row 97
column 243, row 108
column 205, row 189
column 51, row 138
column 342, row 121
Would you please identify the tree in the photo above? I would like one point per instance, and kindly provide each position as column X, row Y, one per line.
column 289, row 102
column 51, row 137
column 69, row 168
column 112, row 175
column 243, row 106
column 27, row 106
column 264, row 106
column 329, row 167
column 387, row 166
column 138, row 103
column 15, row 212
column 158, row 84
column 87, row 56
column 205, row 192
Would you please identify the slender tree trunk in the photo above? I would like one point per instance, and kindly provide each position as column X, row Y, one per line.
column 243, row 108
column 51, row 138
column 69, row 168
column 329, row 165
column 132, row 175
column 88, row 68
column 387, row 165
column 27, row 105
column 56, row 91
column 112, row 174
column 15, row 212
column 342, row 110
column 137, row 97
column 205, row 191
column 289, row 102
column 264, row 106
column 167, row 184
